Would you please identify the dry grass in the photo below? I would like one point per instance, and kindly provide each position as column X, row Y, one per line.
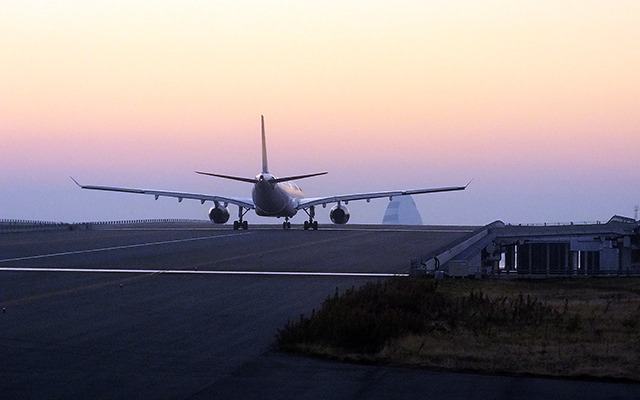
column 560, row 327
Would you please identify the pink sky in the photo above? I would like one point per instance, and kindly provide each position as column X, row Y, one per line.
column 535, row 101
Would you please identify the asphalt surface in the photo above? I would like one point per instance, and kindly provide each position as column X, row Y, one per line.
column 149, row 335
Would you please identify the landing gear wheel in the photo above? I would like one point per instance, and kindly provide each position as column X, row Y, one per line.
column 306, row 225
column 315, row 225
column 245, row 225
column 236, row 225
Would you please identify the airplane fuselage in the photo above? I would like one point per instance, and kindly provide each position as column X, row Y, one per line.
column 275, row 199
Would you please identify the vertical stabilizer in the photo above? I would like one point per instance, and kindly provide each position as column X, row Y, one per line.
column 265, row 167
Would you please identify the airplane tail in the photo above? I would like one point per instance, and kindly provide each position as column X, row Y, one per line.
column 265, row 167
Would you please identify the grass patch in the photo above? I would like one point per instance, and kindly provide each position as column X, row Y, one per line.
column 558, row 327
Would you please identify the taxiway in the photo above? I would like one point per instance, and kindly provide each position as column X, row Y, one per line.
column 190, row 312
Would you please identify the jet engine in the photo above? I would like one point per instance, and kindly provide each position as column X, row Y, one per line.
column 339, row 214
column 219, row 215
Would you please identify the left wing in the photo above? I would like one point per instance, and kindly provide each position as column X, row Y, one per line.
column 373, row 195
column 246, row 203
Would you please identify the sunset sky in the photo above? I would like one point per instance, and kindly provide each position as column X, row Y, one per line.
column 537, row 101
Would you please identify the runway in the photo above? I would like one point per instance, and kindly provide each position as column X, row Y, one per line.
column 190, row 312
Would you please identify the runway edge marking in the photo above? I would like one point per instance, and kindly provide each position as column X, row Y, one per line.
column 187, row 272
column 128, row 246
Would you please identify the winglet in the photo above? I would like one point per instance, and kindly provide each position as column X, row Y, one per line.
column 75, row 181
column 265, row 167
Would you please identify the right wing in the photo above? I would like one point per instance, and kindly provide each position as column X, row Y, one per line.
column 242, row 202
column 308, row 202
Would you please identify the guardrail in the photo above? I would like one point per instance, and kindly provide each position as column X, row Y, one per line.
column 558, row 223
column 615, row 218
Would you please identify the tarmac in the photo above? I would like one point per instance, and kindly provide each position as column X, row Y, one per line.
column 190, row 311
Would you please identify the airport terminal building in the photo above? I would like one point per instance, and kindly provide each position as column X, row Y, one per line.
column 599, row 249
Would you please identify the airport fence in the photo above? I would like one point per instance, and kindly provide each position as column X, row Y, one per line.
column 19, row 225
column 14, row 225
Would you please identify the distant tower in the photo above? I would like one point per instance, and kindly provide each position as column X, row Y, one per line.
column 636, row 210
column 402, row 210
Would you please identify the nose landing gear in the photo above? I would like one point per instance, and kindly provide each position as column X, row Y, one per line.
column 286, row 224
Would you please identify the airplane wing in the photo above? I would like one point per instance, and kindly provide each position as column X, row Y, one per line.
column 242, row 202
column 373, row 195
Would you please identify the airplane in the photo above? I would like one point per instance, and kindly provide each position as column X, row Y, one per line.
column 273, row 197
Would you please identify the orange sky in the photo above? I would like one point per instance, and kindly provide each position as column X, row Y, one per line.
column 414, row 93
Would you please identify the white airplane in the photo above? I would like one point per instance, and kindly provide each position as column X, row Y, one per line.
column 273, row 197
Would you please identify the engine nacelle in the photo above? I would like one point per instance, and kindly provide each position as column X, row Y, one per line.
column 219, row 215
column 339, row 214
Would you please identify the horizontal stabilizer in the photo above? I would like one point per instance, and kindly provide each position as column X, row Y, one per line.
column 252, row 180
column 293, row 178
column 235, row 178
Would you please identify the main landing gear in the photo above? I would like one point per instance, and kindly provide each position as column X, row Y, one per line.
column 311, row 224
column 241, row 223
column 286, row 224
